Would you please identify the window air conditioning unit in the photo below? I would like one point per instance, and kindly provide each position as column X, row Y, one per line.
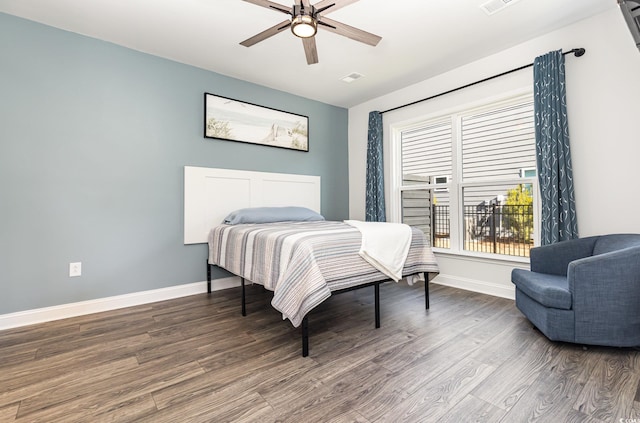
column 631, row 12
column 440, row 180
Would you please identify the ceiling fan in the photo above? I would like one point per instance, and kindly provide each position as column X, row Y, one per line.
column 304, row 21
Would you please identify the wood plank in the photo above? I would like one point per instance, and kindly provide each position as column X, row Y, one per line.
column 29, row 377
column 228, row 368
column 609, row 392
column 435, row 397
column 556, row 389
column 331, row 398
column 472, row 409
column 32, row 387
column 33, row 335
column 521, row 373
column 90, row 398
column 219, row 406
column 14, row 356
column 349, row 416
column 8, row 412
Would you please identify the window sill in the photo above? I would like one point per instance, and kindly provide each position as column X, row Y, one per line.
column 482, row 257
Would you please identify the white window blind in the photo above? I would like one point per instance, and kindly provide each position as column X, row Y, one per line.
column 426, row 152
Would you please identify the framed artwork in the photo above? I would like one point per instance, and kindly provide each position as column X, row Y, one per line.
column 234, row 120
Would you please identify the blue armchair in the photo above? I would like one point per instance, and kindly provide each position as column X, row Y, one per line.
column 584, row 291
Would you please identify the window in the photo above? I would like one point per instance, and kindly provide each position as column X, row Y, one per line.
column 468, row 179
column 528, row 173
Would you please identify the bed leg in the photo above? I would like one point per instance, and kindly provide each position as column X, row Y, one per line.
column 244, row 301
column 208, row 277
column 377, row 303
column 305, row 336
column 426, row 290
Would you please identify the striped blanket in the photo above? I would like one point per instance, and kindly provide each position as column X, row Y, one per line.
column 302, row 262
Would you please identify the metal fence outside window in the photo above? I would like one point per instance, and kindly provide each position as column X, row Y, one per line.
column 492, row 228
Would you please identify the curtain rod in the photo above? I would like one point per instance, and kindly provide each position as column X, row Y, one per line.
column 576, row 51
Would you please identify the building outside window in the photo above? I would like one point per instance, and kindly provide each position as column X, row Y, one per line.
column 468, row 178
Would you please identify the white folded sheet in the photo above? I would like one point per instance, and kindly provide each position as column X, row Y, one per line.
column 384, row 245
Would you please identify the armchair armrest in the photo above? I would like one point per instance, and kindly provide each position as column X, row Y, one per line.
column 604, row 276
column 555, row 258
column 605, row 290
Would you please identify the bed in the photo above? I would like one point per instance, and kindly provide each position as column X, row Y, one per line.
column 303, row 260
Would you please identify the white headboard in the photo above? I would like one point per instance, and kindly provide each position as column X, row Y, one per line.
column 211, row 194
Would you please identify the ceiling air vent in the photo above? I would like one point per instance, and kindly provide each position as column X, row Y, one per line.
column 493, row 6
column 352, row 77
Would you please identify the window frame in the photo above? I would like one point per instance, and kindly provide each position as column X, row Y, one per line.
column 455, row 183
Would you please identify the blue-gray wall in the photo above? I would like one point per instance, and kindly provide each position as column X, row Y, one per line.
column 93, row 141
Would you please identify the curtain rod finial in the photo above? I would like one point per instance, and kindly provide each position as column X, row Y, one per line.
column 578, row 52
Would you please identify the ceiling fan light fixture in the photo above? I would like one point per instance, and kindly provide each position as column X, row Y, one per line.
column 304, row 26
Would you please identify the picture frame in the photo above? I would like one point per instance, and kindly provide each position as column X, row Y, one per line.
column 234, row 120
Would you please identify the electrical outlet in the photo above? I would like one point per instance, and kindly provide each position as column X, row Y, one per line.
column 75, row 269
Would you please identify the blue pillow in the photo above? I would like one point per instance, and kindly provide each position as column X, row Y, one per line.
column 272, row 214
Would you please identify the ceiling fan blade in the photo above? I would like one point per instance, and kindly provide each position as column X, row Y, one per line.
column 331, row 5
column 270, row 5
column 349, row 31
column 266, row 33
column 310, row 50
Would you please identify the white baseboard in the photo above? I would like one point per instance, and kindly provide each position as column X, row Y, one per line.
column 497, row 290
column 224, row 283
column 47, row 314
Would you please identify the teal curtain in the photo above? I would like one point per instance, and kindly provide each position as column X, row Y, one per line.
column 555, row 173
column 375, row 211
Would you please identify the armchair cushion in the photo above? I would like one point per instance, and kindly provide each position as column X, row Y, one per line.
column 607, row 244
column 549, row 290
column 555, row 258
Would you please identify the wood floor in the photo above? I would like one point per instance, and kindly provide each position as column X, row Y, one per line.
column 470, row 358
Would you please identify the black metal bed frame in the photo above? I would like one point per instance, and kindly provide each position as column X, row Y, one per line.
column 305, row 320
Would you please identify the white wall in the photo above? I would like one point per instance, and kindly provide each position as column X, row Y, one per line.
column 603, row 100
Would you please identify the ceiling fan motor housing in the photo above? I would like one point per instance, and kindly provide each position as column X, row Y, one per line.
column 304, row 21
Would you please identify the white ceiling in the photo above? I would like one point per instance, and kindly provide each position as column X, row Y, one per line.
column 420, row 38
